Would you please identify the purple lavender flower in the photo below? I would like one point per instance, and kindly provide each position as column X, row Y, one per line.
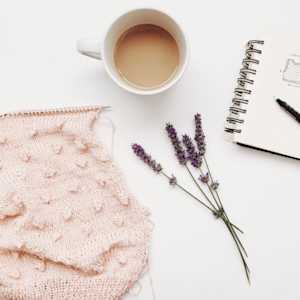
column 179, row 151
column 146, row 158
column 199, row 135
column 215, row 185
column 173, row 180
column 204, row 178
column 192, row 155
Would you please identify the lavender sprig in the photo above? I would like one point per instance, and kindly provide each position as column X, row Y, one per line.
column 201, row 144
column 200, row 140
column 156, row 167
column 182, row 158
column 179, row 151
column 186, row 151
column 192, row 155
column 146, row 158
column 199, row 135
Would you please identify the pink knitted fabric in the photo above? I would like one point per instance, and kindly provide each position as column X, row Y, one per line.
column 69, row 228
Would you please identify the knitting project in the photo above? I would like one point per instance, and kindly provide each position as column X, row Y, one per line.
column 69, row 228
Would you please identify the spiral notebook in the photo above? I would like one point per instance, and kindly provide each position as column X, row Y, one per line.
column 270, row 70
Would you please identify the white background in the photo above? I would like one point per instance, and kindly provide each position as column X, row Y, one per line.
column 192, row 255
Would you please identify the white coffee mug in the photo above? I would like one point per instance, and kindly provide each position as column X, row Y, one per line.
column 104, row 50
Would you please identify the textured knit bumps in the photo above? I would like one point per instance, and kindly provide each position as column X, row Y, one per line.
column 69, row 229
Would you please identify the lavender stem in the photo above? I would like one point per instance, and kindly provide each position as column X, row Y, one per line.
column 199, row 187
column 247, row 271
column 241, row 254
column 220, row 208
column 203, row 193
column 189, row 193
column 246, row 268
column 224, row 212
column 220, row 202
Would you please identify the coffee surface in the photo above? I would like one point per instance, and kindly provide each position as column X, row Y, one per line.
column 146, row 56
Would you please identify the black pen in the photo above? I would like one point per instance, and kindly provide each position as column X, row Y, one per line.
column 289, row 109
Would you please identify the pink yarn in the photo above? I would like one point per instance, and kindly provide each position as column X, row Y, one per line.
column 69, row 228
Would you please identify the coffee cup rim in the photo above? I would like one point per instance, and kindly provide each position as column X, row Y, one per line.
column 168, row 84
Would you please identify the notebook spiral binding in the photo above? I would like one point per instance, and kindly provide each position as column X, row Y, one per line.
column 234, row 120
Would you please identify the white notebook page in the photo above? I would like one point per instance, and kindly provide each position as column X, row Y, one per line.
column 266, row 125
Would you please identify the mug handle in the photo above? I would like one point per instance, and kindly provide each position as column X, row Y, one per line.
column 90, row 47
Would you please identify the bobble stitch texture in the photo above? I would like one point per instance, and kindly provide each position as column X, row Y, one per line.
column 36, row 223
column 73, row 187
column 57, row 149
column 41, row 265
column 33, row 133
column 100, row 181
column 87, row 230
column 55, row 248
column 14, row 274
column 26, row 157
column 122, row 260
column 3, row 141
column 98, row 205
column 50, row 173
column 81, row 163
column 9, row 207
column 67, row 214
column 46, row 199
column 57, row 237
column 19, row 245
column 118, row 221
